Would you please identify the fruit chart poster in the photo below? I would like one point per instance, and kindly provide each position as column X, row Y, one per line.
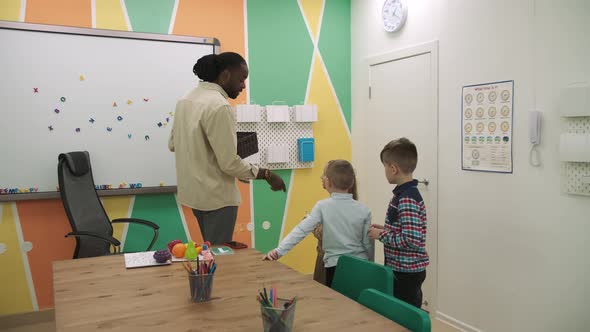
column 486, row 127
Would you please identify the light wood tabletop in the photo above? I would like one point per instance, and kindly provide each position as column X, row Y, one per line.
column 100, row 294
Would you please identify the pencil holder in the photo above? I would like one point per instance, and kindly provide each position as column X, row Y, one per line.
column 201, row 286
column 280, row 318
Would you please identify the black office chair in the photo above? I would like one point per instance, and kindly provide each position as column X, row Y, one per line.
column 90, row 224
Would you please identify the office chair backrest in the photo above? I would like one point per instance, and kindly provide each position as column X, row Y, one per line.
column 83, row 207
column 406, row 315
column 354, row 274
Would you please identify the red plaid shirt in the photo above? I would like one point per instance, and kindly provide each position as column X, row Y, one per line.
column 404, row 236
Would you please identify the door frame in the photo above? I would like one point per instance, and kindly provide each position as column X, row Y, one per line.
column 431, row 48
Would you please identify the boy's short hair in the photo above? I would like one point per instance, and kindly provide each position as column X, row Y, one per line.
column 341, row 174
column 401, row 152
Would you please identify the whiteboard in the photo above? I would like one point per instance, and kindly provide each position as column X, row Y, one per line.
column 58, row 91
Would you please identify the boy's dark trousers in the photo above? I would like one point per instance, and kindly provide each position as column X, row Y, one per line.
column 407, row 286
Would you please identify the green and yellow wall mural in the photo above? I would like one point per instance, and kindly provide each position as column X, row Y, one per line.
column 298, row 52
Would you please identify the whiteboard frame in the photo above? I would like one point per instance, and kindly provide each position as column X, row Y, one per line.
column 110, row 34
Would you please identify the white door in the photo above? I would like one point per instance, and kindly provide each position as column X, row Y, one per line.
column 403, row 102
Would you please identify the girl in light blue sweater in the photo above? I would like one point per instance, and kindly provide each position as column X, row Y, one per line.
column 345, row 221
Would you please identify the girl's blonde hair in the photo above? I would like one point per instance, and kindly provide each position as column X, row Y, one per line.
column 341, row 174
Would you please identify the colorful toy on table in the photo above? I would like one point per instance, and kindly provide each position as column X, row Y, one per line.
column 206, row 253
column 162, row 256
column 191, row 252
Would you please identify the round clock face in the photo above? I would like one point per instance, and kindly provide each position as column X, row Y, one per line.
column 394, row 14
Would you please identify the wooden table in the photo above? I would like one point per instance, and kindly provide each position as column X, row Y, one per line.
column 100, row 294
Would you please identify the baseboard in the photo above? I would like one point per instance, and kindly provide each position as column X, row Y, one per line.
column 455, row 323
column 28, row 318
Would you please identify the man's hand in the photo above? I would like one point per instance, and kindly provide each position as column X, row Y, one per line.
column 377, row 226
column 276, row 182
column 374, row 232
column 272, row 255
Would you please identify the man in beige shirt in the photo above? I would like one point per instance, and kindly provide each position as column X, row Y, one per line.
column 203, row 139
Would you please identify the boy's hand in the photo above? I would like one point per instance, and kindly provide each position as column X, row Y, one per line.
column 374, row 233
column 377, row 226
column 272, row 255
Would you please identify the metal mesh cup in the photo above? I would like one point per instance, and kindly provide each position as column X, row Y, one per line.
column 201, row 286
column 279, row 319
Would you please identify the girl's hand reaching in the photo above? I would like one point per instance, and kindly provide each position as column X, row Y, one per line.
column 272, row 255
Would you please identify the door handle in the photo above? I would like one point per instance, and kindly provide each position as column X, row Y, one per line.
column 424, row 182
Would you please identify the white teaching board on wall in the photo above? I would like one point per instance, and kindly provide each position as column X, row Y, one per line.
column 110, row 93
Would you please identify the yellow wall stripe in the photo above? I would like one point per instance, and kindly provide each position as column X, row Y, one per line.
column 117, row 207
column 16, row 297
column 332, row 142
column 110, row 15
column 10, row 10
column 312, row 9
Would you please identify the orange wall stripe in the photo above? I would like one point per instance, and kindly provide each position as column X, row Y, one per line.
column 76, row 13
column 223, row 20
column 48, row 245
column 192, row 224
column 241, row 233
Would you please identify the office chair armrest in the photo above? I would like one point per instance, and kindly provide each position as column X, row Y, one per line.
column 111, row 240
column 136, row 221
column 141, row 222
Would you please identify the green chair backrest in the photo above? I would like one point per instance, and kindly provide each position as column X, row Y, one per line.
column 406, row 315
column 354, row 274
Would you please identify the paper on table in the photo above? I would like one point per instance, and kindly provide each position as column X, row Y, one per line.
column 141, row 259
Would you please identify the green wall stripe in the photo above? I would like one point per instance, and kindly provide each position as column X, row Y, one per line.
column 160, row 209
column 269, row 206
column 150, row 15
column 334, row 46
column 279, row 52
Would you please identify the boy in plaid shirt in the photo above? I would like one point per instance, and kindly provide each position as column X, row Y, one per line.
column 404, row 233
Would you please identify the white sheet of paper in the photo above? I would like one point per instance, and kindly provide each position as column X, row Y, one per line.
column 141, row 259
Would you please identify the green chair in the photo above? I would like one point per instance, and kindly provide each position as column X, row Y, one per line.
column 354, row 274
column 406, row 315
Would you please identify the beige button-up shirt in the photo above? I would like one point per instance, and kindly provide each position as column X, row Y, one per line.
column 204, row 142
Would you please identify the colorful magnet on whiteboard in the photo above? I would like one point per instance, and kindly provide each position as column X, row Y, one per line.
column 114, row 104
column 129, row 102
column 120, row 118
column 91, row 120
column 36, row 90
column 171, row 113
column 161, row 184
column 159, row 124
column 77, row 130
column 129, row 136
column 146, row 99
column 63, row 99
column 56, row 111
column 50, row 128
column 36, row 189
column 167, row 119
column 81, row 77
column 147, row 137
column 109, row 129
column 165, row 124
